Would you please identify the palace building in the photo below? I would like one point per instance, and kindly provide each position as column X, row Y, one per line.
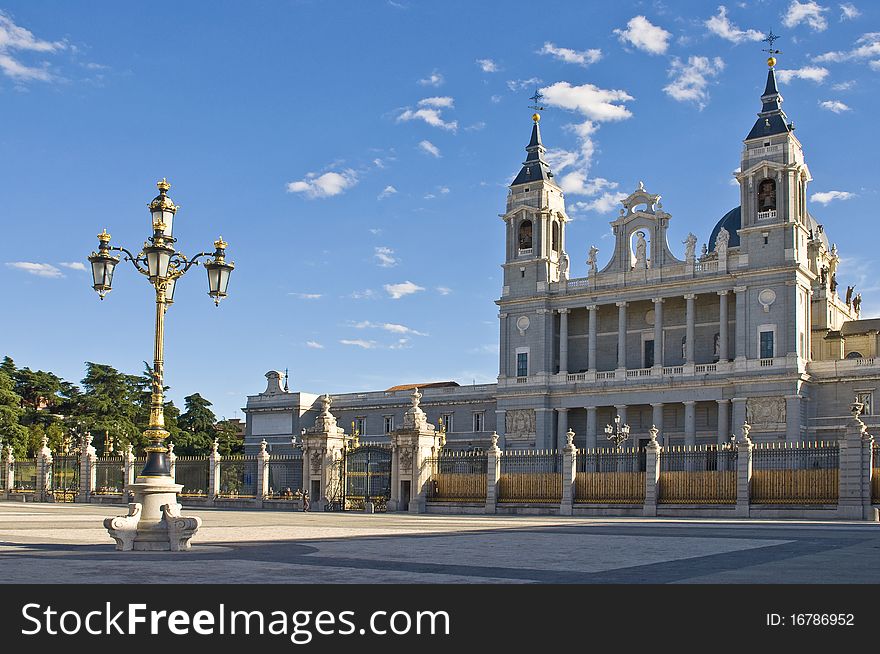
column 754, row 328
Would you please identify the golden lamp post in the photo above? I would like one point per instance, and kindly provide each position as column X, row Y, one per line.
column 152, row 515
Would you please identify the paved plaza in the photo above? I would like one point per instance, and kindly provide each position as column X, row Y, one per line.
column 56, row 543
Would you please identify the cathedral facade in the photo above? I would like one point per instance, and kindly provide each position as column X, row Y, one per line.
column 753, row 328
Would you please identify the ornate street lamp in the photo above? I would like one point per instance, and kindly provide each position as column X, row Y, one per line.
column 617, row 432
column 163, row 266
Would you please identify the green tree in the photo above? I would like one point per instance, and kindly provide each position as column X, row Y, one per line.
column 196, row 426
column 8, row 366
column 230, row 441
column 110, row 403
column 11, row 411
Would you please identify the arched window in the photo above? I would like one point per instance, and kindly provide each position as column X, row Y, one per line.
column 554, row 240
column 767, row 195
column 854, row 355
column 525, row 235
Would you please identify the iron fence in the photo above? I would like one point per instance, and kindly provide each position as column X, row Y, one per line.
column 194, row 473
column 110, row 475
column 238, row 477
column 458, row 476
column 530, row 476
column 24, row 479
column 64, row 478
column 286, row 476
column 703, row 474
column 795, row 473
column 609, row 476
column 368, row 476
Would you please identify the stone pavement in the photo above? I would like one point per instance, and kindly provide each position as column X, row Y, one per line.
column 58, row 543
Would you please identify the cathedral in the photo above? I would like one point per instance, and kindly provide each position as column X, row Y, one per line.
column 754, row 328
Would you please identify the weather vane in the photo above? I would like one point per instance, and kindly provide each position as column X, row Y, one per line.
column 771, row 38
column 536, row 99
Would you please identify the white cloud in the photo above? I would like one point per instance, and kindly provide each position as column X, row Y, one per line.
column 443, row 189
column 16, row 38
column 844, row 86
column 392, row 327
column 495, row 99
column 875, row 65
column 430, row 148
column 441, row 102
column 73, row 265
column 307, row 296
column 385, row 257
column 720, row 25
column 813, row 73
column 487, row 65
column 434, row 79
column 402, row 344
column 476, row 126
column 867, row 47
column 38, row 269
column 560, row 159
column 644, row 35
column 315, row 345
column 397, row 291
column 690, row 80
column 388, row 190
column 366, row 294
column 605, row 203
column 444, row 290
column 806, row 12
column 848, row 11
column 834, row 105
column 357, row 342
column 826, row 197
column 522, row 84
column 432, row 116
column 569, row 56
column 324, row 186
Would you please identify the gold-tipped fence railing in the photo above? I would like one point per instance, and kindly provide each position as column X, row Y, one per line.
column 795, row 473
column 530, row 476
column 702, row 474
column 458, row 477
column 609, row 476
column 875, row 474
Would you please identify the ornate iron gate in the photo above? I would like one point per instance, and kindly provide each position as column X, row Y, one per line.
column 65, row 478
column 367, row 476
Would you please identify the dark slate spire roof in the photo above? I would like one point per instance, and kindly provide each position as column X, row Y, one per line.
column 772, row 119
column 534, row 167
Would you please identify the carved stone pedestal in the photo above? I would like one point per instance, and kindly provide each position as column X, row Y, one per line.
column 153, row 522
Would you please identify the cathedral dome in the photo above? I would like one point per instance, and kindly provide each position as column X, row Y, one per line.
column 731, row 221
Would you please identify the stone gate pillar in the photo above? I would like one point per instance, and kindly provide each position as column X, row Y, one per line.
column 262, row 474
column 128, row 469
column 652, row 473
column 854, row 492
column 87, row 469
column 214, row 472
column 323, row 445
column 569, row 472
column 743, row 472
column 44, row 472
column 8, row 469
column 413, row 445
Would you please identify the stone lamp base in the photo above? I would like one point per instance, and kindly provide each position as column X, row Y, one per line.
column 153, row 522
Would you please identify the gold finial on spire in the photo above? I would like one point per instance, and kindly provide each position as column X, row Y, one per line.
column 536, row 117
column 220, row 244
column 104, row 237
column 771, row 38
column 163, row 185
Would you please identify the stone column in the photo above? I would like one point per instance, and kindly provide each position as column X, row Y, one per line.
column 561, row 427
column 658, row 332
column 657, row 417
column 621, row 335
column 44, row 472
column 743, row 471
column 854, row 493
column 591, row 427
column 323, row 445
column 214, row 472
column 569, row 470
column 591, row 341
column 172, row 461
column 87, row 469
column 8, row 469
column 414, row 445
column 740, row 323
column 652, row 473
column 503, row 354
column 723, row 421
column 394, row 500
column 689, row 331
column 493, row 473
column 501, row 426
column 738, row 409
column 262, row 473
column 722, row 327
column 690, row 422
column 127, row 469
column 793, row 418
column 563, row 341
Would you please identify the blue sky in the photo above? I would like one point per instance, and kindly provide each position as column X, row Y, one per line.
column 355, row 155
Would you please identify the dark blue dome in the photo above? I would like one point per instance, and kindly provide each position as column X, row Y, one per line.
column 731, row 221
